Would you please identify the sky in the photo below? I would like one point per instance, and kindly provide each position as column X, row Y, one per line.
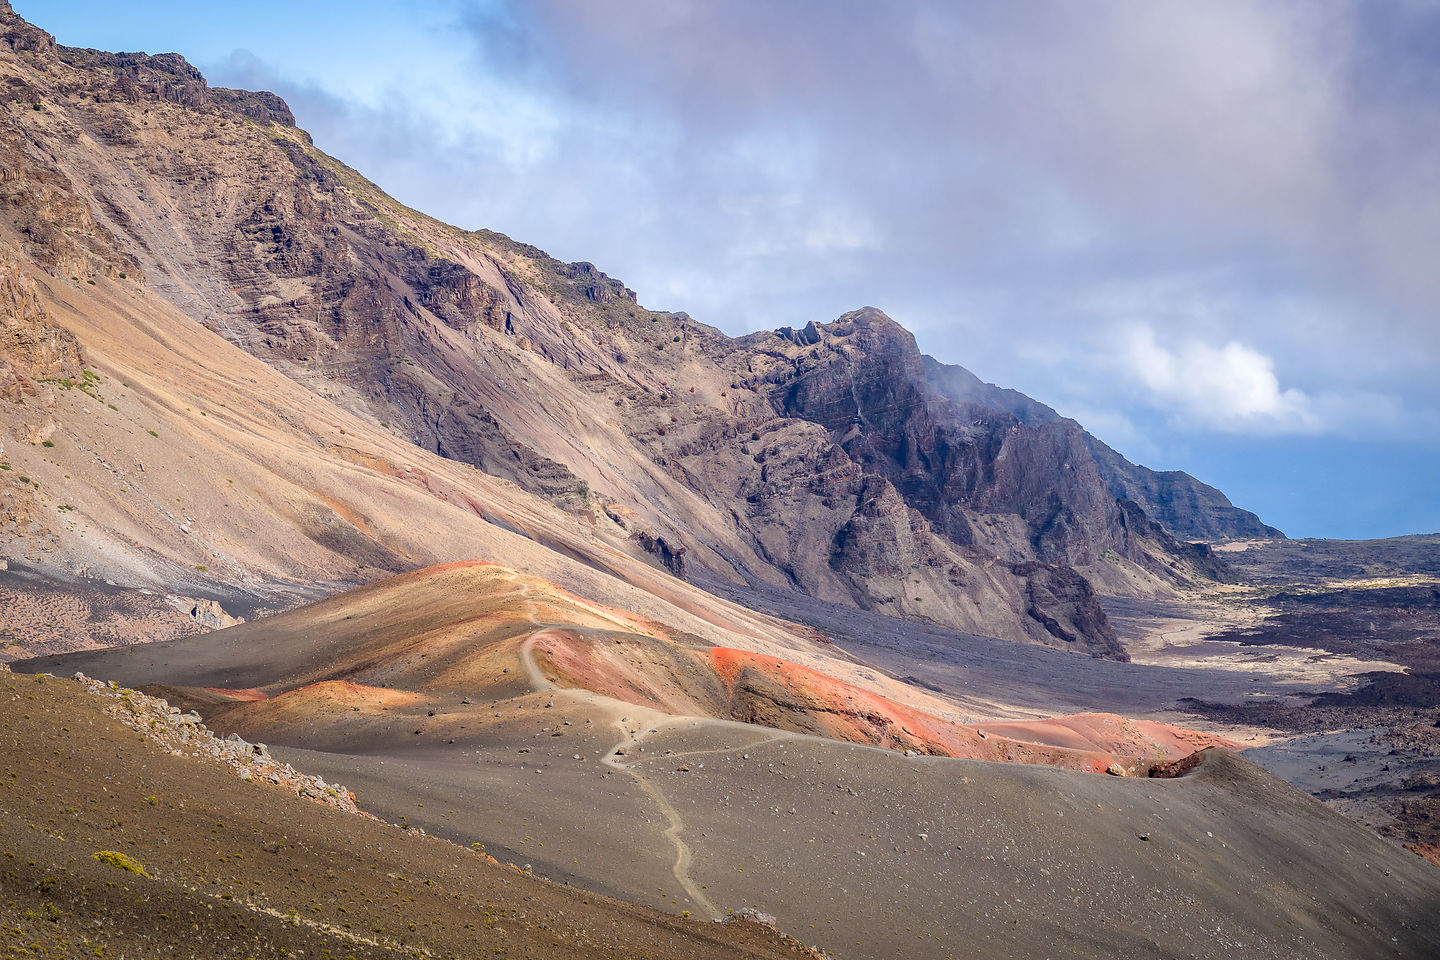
column 1210, row 232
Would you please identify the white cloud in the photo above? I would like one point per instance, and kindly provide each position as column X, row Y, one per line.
column 1233, row 388
column 1230, row 387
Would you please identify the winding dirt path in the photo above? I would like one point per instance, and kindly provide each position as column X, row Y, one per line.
column 533, row 674
column 681, row 867
column 630, row 738
column 536, row 678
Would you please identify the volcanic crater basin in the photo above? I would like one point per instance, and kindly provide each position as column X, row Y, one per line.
column 869, row 853
column 114, row 847
column 455, row 723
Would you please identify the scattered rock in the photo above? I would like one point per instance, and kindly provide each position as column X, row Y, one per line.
column 184, row 735
column 207, row 613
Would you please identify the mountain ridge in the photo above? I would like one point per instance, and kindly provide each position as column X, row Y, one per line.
column 488, row 352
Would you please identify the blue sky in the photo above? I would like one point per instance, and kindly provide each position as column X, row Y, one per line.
column 1209, row 231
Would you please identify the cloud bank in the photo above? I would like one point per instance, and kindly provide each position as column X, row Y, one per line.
column 1185, row 220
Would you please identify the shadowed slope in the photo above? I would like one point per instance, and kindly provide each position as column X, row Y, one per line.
column 239, row 869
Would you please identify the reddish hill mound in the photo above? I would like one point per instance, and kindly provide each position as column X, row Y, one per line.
column 726, row 683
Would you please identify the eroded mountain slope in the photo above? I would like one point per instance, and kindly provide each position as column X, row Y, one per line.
column 488, row 352
column 175, row 462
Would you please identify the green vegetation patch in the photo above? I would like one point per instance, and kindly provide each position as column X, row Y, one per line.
column 121, row 862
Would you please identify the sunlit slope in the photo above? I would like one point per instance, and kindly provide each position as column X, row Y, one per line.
column 359, row 667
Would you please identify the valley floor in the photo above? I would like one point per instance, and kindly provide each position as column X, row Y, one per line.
column 449, row 700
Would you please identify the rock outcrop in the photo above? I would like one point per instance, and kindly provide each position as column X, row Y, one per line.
column 1184, row 506
column 971, row 466
column 32, row 348
column 185, row 735
column 206, row 612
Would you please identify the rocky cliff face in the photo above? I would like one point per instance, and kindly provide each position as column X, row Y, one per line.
column 974, row 460
column 32, row 349
column 1184, row 506
column 825, row 460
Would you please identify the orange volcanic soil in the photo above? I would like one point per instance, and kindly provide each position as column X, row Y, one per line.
column 1082, row 742
column 1428, row 851
column 726, row 683
column 445, row 645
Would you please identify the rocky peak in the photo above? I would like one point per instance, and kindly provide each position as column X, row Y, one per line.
column 806, row 337
column 871, row 320
column 956, row 449
column 597, row 286
column 169, row 76
column 20, row 35
column 138, row 76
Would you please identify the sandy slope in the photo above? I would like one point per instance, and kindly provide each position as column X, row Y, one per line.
column 872, row 854
column 486, row 633
column 240, row 869
column 214, row 474
column 438, row 696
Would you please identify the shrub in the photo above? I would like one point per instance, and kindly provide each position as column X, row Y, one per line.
column 47, row 443
column 121, row 861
